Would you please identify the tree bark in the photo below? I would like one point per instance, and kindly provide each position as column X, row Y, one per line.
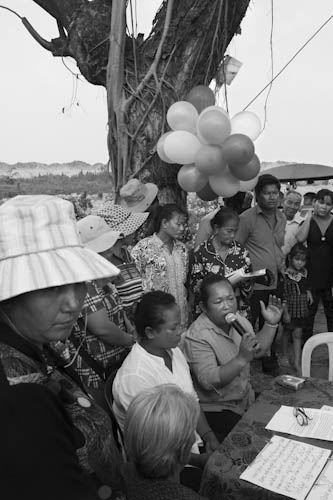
column 144, row 77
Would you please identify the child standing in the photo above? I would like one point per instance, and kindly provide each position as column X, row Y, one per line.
column 298, row 297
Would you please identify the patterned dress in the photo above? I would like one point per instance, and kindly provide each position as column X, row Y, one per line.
column 295, row 287
column 107, row 356
column 206, row 260
column 24, row 363
column 128, row 282
column 162, row 270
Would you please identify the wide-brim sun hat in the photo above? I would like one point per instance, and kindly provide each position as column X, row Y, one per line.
column 40, row 247
column 120, row 219
column 136, row 196
column 95, row 234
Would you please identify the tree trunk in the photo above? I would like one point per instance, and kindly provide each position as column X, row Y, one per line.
column 144, row 77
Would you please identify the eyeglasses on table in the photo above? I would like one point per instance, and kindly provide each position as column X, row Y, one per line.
column 301, row 416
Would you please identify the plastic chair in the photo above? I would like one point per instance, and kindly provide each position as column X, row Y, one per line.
column 310, row 344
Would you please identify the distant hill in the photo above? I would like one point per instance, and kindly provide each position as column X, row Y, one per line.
column 34, row 169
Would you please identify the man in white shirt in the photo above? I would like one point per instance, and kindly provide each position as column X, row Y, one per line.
column 291, row 206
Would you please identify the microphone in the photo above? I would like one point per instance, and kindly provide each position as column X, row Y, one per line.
column 232, row 320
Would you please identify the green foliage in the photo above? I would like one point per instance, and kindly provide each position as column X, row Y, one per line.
column 89, row 182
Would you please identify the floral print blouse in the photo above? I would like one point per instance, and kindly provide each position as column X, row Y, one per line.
column 206, row 260
column 162, row 270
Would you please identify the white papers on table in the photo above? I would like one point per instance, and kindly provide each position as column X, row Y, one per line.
column 323, row 487
column 287, row 467
column 327, row 408
column 319, row 427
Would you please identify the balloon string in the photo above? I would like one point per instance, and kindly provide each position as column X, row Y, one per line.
column 290, row 60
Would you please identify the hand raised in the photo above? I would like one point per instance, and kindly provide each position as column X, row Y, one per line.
column 273, row 311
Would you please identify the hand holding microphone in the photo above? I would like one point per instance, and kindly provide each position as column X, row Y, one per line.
column 249, row 345
column 232, row 320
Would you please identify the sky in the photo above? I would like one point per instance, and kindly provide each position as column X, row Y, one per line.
column 47, row 115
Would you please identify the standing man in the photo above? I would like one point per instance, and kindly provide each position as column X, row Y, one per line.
column 291, row 206
column 261, row 231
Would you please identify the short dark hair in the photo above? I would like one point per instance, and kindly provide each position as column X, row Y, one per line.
column 265, row 180
column 149, row 311
column 223, row 216
column 322, row 193
column 206, row 284
column 309, row 196
column 166, row 212
column 298, row 248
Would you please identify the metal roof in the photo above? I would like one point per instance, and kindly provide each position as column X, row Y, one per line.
column 300, row 171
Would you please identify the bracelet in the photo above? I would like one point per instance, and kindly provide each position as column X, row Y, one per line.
column 271, row 326
column 205, row 434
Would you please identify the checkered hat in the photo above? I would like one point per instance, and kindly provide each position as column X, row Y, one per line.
column 40, row 247
column 120, row 219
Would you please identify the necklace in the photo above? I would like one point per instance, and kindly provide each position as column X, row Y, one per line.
column 222, row 251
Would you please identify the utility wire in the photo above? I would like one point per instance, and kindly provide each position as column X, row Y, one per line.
column 12, row 11
column 290, row 60
column 272, row 66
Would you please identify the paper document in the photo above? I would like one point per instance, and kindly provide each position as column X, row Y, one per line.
column 287, row 467
column 323, row 487
column 240, row 275
column 319, row 427
column 327, row 408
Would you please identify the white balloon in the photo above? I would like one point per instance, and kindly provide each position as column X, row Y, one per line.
column 249, row 185
column 246, row 123
column 182, row 115
column 181, row 147
column 160, row 148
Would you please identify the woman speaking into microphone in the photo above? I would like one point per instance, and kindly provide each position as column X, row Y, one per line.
column 220, row 345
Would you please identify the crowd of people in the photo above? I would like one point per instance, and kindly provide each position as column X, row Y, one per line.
column 125, row 354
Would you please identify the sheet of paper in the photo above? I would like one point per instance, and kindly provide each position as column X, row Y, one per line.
column 323, row 487
column 319, row 427
column 287, row 467
column 327, row 408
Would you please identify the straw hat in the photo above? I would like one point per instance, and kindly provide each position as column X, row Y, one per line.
column 136, row 196
column 95, row 234
column 40, row 247
column 120, row 219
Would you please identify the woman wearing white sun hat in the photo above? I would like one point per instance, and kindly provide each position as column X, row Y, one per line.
column 43, row 270
column 102, row 330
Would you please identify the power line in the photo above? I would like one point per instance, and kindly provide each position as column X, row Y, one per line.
column 12, row 11
column 272, row 66
column 290, row 60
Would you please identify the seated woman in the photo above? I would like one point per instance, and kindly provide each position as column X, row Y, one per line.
column 155, row 359
column 159, row 433
column 221, row 255
column 219, row 357
column 44, row 268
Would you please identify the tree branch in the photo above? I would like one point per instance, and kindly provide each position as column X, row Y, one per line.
column 114, row 87
column 153, row 67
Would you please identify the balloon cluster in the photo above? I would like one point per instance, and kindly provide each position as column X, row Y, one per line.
column 217, row 153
